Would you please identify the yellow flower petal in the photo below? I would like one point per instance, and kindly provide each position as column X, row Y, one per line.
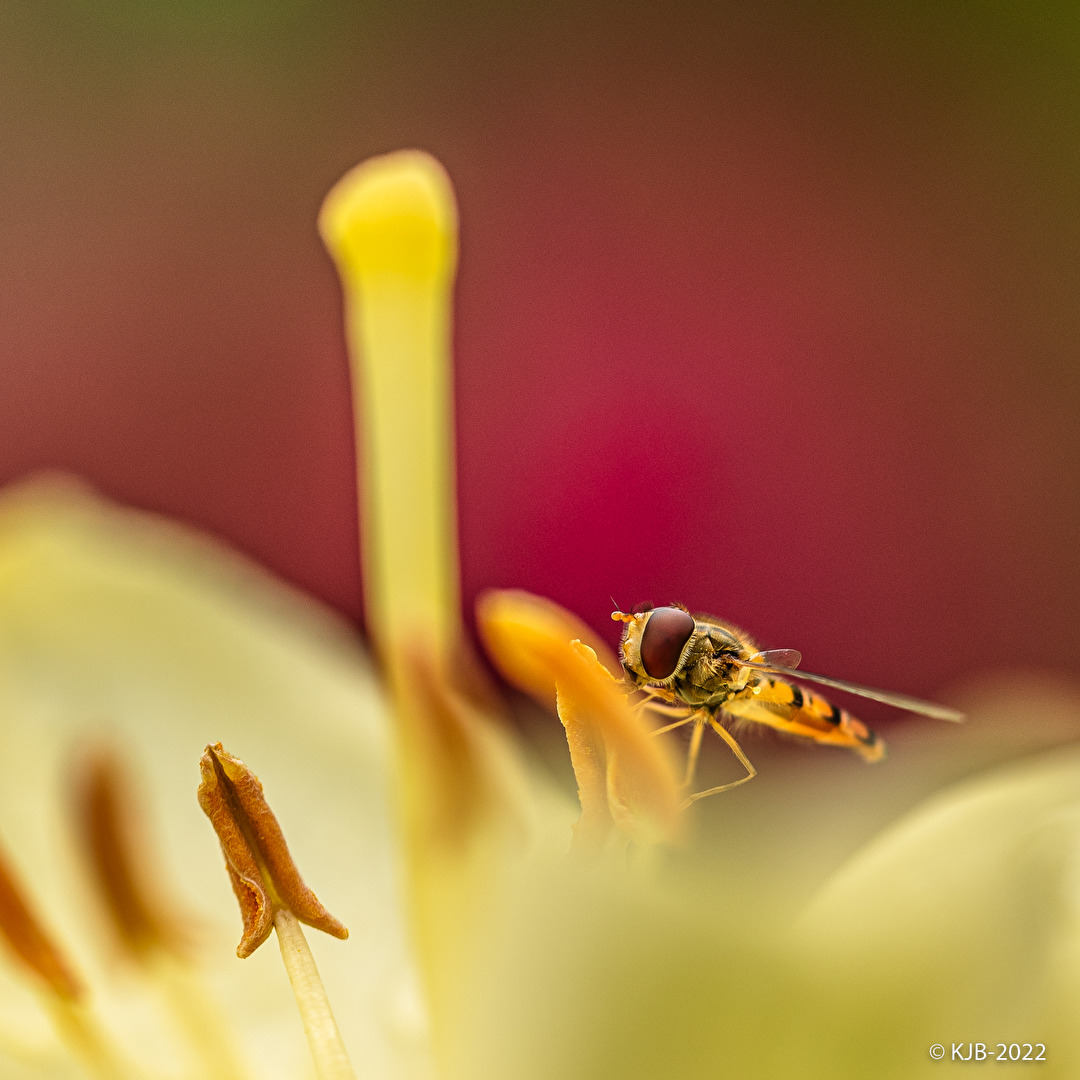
column 626, row 778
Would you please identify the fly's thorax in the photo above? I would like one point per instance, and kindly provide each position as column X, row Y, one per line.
column 707, row 677
column 689, row 687
column 711, row 673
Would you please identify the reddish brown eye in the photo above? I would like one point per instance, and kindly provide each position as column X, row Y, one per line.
column 663, row 640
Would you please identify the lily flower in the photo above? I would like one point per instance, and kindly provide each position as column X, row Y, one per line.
column 496, row 926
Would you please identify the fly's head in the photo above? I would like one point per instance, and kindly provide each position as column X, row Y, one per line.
column 655, row 644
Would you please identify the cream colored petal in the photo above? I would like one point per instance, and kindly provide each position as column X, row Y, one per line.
column 119, row 624
column 959, row 923
column 965, row 916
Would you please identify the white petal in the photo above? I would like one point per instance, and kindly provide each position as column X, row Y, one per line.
column 117, row 622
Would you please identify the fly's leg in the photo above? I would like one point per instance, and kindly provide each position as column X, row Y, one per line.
column 697, row 718
column 660, row 703
column 677, row 724
column 736, row 749
column 658, row 699
column 695, row 747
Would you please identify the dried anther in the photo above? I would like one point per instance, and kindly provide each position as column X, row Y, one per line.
column 262, row 872
column 29, row 940
column 120, row 856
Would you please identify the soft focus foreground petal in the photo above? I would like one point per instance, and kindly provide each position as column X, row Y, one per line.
column 959, row 924
column 601, row 975
column 627, row 780
column 963, row 919
column 118, row 625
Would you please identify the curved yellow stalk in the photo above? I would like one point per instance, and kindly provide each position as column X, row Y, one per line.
column 390, row 225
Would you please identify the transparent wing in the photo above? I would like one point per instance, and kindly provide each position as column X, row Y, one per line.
column 789, row 658
column 899, row 701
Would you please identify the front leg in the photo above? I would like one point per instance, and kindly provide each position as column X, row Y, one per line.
column 736, row 749
column 697, row 717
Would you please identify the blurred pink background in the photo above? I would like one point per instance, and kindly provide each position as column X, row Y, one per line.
column 772, row 313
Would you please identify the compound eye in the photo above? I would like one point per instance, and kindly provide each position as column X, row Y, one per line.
column 663, row 640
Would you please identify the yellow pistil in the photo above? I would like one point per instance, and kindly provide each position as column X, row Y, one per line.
column 272, row 895
column 391, row 226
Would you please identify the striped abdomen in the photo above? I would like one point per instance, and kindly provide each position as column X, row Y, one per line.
column 798, row 711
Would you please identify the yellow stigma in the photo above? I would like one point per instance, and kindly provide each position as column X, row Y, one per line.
column 391, row 226
column 392, row 215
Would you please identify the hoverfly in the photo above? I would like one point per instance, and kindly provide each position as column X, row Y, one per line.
column 713, row 668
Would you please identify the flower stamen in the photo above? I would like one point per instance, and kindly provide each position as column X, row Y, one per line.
column 118, row 857
column 260, row 867
column 120, row 860
column 272, row 895
column 30, row 942
column 64, row 993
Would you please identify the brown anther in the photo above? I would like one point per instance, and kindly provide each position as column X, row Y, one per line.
column 120, row 857
column 29, row 940
column 261, row 870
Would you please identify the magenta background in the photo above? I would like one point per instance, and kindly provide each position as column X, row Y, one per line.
column 774, row 314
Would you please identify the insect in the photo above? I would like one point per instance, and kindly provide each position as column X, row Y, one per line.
column 713, row 668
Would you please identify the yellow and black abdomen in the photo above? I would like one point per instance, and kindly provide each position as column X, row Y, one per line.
column 798, row 711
